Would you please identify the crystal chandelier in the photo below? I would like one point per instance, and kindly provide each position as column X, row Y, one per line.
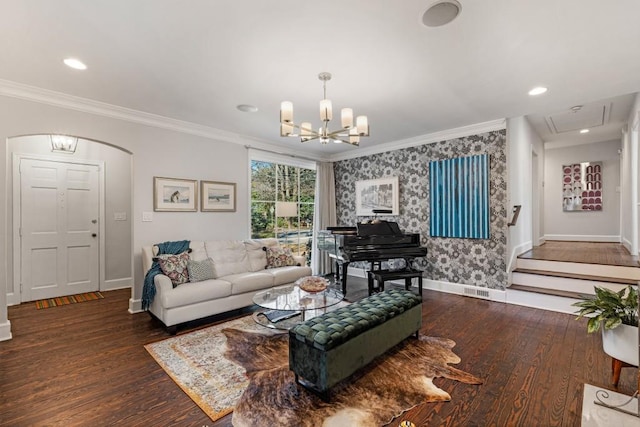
column 348, row 133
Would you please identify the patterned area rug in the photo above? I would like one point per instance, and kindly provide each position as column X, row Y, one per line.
column 69, row 299
column 196, row 362
column 241, row 367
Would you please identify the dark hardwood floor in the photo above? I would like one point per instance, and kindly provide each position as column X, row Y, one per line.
column 603, row 253
column 85, row 365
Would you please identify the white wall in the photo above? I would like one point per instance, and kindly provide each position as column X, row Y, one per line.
column 522, row 142
column 583, row 226
column 629, row 189
column 156, row 152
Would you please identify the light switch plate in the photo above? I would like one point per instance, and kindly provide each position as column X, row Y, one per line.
column 119, row 216
column 147, row 216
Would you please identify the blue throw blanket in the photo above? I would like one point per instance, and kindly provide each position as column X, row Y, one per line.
column 149, row 288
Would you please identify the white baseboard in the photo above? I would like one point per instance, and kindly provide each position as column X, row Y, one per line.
column 5, row 331
column 496, row 295
column 508, row 296
column 112, row 285
column 135, row 306
column 582, row 238
column 627, row 244
column 356, row 272
column 447, row 287
column 13, row 299
column 520, row 249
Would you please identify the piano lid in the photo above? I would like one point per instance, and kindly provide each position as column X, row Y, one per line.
column 342, row 230
column 379, row 228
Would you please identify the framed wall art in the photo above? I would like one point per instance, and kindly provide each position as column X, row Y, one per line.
column 582, row 187
column 459, row 203
column 380, row 193
column 175, row 195
column 217, row 196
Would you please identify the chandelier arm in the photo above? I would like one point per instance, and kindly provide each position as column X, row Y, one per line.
column 338, row 133
column 310, row 138
column 295, row 126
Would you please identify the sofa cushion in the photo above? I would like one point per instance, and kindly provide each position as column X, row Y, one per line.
column 257, row 256
column 200, row 270
column 229, row 257
column 284, row 275
column 198, row 252
column 278, row 256
column 197, row 292
column 174, row 267
column 249, row 282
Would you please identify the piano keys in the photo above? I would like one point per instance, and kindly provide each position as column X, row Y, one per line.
column 372, row 242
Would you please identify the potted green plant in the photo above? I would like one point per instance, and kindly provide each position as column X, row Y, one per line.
column 616, row 314
column 611, row 308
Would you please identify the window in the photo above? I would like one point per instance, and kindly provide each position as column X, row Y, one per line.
column 282, row 203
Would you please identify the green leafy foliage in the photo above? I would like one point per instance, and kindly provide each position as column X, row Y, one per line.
column 272, row 183
column 609, row 308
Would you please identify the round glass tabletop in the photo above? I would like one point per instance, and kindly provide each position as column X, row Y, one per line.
column 291, row 297
column 286, row 306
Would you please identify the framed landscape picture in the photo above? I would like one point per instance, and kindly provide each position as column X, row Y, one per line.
column 380, row 193
column 175, row 195
column 217, row 196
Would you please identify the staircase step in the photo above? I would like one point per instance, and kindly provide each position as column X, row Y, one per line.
column 577, row 276
column 564, row 282
column 582, row 269
column 555, row 292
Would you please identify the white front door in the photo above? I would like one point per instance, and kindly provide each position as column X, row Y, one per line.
column 59, row 209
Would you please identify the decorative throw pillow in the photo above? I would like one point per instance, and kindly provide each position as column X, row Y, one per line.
column 200, row 270
column 279, row 257
column 174, row 267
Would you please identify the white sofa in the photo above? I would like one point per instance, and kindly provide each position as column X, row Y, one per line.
column 240, row 270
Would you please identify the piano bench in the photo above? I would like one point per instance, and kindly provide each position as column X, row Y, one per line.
column 327, row 349
column 381, row 276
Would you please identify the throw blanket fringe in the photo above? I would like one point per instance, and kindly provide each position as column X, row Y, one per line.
column 165, row 248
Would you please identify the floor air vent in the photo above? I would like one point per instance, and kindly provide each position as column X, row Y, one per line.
column 476, row 292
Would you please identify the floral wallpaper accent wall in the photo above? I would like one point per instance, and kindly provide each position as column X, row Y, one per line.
column 479, row 262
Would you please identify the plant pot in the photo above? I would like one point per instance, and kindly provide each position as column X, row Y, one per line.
column 621, row 343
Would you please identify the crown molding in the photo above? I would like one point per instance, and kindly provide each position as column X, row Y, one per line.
column 430, row 138
column 85, row 105
column 553, row 145
column 72, row 102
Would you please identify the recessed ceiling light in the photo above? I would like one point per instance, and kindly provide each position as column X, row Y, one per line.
column 584, row 131
column 75, row 63
column 441, row 12
column 246, row 108
column 539, row 90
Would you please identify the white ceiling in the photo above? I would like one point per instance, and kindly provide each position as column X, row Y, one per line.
column 196, row 60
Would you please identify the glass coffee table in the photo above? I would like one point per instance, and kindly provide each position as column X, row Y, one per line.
column 286, row 306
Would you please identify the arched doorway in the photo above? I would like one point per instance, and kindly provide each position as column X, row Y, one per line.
column 90, row 202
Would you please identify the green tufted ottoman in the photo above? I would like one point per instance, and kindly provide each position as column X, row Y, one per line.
column 329, row 348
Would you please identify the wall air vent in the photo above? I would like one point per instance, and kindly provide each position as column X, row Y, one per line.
column 476, row 292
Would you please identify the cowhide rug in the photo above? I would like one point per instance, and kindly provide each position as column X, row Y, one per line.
column 389, row 386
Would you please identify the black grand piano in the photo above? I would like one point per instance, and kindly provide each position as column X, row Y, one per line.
column 375, row 241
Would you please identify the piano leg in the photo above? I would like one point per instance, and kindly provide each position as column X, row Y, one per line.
column 343, row 275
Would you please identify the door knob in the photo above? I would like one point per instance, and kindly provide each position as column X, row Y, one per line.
column 93, row 234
